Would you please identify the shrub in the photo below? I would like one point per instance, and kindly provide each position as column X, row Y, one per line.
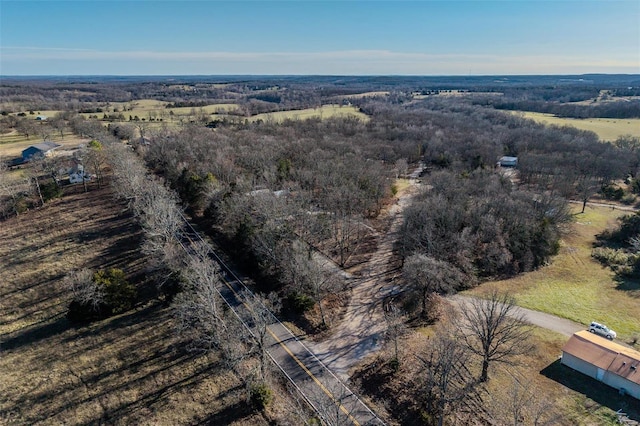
column 50, row 190
column 612, row 192
column 119, row 294
column 298, row 302
column 628, row 199
column 99, row 295
column 609, row 256
column 261, row 395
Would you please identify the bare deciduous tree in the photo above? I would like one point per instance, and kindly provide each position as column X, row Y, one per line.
column 494, row 330
column 448, row 382
column 426, row 275
column 395, row 320
column 311, row 275
column 334, row 403
column 84, row 288
column 260, row 317
column 96, row 157
column 12, row 186
column 198, row 310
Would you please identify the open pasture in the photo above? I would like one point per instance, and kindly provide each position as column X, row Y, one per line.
column 150, row 108
column 364, row 95
column 607, row 129
column 326, row 111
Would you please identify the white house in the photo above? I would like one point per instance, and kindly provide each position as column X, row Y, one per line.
column 608, row 362
column 77, row 174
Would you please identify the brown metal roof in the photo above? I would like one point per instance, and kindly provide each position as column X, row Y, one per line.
column 604, row 354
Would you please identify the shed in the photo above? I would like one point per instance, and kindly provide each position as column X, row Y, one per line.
column 39, row 150
column 608, row 362
column 507, row 161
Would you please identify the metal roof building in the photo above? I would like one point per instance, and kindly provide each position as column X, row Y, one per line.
column 611, row 363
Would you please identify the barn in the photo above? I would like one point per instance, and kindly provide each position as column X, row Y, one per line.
column 608, row 362
column 39, row 150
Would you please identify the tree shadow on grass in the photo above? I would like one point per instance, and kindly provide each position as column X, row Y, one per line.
column 592, row 389
column 230, row 414
column 34, row 333
column 631, row 286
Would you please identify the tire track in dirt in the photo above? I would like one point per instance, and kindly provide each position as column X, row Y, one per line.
column 361, row 330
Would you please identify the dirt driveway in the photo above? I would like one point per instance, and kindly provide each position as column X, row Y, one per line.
column 361, row 330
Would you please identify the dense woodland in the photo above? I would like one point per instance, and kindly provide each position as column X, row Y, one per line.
column 263, row 187
column 273, row 194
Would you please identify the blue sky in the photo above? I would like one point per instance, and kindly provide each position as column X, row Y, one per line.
column 319, row 37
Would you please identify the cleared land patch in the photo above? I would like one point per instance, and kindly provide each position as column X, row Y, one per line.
column 608, row 129
column 326, row 111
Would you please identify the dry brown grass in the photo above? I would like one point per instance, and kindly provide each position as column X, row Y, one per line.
column 607, row 129
column 129, row 369
column 569, row 399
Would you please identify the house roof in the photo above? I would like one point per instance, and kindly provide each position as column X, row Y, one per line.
column 45, row 146
column 605, row 354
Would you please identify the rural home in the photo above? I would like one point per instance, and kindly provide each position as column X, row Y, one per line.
column 508, row 161
column 39, row 150
column 608, row 362
column 77, row 174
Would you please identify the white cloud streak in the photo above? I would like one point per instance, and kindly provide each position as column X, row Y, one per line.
column 363, row 62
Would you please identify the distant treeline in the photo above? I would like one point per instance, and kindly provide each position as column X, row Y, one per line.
column 275, row 93
column 620, row 109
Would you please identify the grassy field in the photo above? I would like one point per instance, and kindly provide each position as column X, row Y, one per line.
column 12, row 144
column 326, row 111
column 608, row 129
column 129, row 369
column 147, row 108
column 364, row 95
column 577, row 287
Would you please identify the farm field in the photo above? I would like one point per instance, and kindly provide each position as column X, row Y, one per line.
column 607, row 129
column 577, row 287
column 326, row 111
column 144, row 107
column 128, row 369
column 364, row 95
